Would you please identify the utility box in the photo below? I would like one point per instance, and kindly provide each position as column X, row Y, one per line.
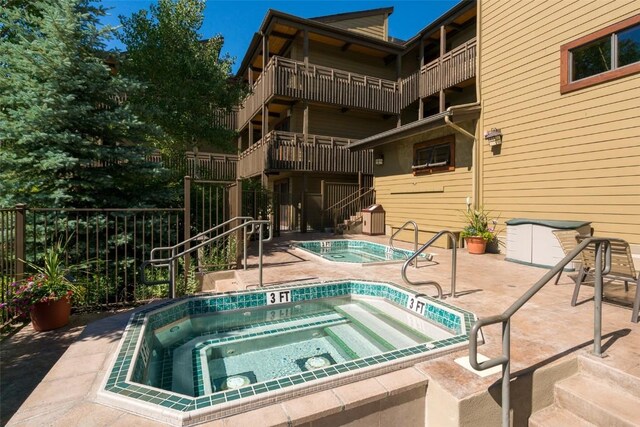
column 373, row 220
column 532, row 242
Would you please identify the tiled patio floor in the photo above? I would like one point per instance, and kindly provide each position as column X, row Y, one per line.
column 547, row 328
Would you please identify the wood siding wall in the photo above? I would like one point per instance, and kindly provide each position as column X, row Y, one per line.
column 331, row 121
column 334, row 57
column 373, row 26
column 435, row 201
column 574, row 156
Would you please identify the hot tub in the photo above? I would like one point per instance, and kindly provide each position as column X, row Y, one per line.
column 356, row 251
column 201, row 358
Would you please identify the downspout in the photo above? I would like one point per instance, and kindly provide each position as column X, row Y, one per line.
column 474, row 156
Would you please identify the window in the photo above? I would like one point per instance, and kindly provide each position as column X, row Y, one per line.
column 607, row 54
column 436, row 155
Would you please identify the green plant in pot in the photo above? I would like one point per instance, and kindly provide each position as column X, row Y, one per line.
column 478, row 231
column 45, row 297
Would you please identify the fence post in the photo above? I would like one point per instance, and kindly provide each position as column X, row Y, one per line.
column 187, row 226
column 322, row 203
column 21, row 213
column 239, row 234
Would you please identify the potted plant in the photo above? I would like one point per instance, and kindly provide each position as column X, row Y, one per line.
column 477, row 233
column 45, row 297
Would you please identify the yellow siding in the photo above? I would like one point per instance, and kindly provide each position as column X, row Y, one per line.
column 435, row 201
column 572, row 156
column 373, row 26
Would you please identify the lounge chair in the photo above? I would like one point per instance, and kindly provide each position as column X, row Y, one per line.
column 622, row 268
column 568, row 242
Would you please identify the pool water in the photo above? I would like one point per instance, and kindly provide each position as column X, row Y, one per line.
column 222, row 351
column 355, row 251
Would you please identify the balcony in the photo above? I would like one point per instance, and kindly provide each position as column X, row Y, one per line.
column 452, row 68
column 292, row 79
column 299, row 152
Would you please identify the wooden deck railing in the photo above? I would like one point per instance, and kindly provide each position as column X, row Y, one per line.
column 290, row 78
column 450, row 69
column 296, row 151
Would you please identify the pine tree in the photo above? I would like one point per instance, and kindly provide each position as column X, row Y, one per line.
column 65, row 138
column 187, row 78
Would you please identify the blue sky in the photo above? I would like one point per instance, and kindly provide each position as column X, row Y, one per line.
column 238, row 20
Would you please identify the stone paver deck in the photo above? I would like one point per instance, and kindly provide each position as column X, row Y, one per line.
column 546, row 329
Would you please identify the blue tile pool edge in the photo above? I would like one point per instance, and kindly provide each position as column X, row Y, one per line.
column 118, row 381
column 303, row 245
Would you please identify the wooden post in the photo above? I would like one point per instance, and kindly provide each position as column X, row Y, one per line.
column 305, row 47
column 322, row 203
column 399, row 77
column 187, row 225
column 21, row 214
column 420, row 100
column 443, row 50
column 305, row 120
column 238, row 212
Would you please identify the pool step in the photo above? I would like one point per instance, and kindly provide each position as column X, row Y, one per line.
column 352, row 342
column 597, row 395
column 390, row 335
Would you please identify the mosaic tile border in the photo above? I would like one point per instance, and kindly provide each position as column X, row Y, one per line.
column 119, row 380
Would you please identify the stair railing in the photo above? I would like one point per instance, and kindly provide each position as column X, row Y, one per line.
column 454, row 257
column 415, row 238
column 351, row 202
column 602, row 267
column 249, row 226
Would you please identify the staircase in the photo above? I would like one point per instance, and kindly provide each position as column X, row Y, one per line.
column 353, row 225
column 598, row 395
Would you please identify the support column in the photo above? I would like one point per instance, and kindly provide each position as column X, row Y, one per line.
column 399, row 80
column 305, row 47
column 420, row 100
column 443, row 50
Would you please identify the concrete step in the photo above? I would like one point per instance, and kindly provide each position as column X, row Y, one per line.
column 597, row 401
column 597, row 368
column 554, row 416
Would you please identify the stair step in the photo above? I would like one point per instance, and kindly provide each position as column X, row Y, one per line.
column 554, row 416
column 597, row 402
column 599, row 369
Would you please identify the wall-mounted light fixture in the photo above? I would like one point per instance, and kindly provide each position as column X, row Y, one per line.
column 379, row 160
column 493, row 136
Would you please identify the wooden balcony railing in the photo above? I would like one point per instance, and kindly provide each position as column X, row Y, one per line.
column 290, row 78
column 299, row 152
column 450, row 69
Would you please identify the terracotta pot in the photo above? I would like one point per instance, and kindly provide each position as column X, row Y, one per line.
column 50, row 314
column 475, row 245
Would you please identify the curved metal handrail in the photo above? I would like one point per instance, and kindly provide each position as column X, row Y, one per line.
column 171, row 261
column 454, row 257
column 415, row 237
column 601, row 244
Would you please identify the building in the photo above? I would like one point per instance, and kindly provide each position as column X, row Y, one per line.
column 477, row 109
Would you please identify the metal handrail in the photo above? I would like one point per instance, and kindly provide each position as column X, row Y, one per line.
column 454, row 257
column 351, row 198
column 415, row 237
column 171, row 261
column 505, row 318
column 200, row 235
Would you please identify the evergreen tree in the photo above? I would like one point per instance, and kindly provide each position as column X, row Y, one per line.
column 65, row 138
column 187, row 78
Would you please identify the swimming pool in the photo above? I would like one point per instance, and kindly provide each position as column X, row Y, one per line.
column 356, row 251
column 203, row 358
